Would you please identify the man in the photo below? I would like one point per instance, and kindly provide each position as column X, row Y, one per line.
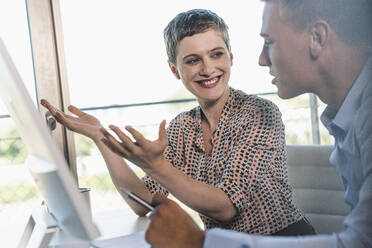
column 322, row 47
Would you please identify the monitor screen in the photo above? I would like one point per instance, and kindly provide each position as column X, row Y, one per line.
column 46, row 162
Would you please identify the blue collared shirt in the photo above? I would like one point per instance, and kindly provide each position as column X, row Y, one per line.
column 351, row 126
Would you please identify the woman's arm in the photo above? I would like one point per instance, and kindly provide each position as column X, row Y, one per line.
column 251, row 155
column 148, row 155
column 121, row 174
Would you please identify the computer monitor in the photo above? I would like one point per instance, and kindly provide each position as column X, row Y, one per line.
column 46, row 162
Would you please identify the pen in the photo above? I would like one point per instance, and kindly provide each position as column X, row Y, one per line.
column 137, row 199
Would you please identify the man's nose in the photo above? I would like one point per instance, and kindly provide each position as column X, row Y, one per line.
column 264, row 60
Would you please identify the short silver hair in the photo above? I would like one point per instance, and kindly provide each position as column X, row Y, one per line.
column 189, row 23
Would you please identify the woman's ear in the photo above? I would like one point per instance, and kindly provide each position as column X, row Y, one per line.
column 319, row 36
column 174, row 70
column 231, row 58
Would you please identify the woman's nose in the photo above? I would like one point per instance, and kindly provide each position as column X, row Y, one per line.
column 206, row 69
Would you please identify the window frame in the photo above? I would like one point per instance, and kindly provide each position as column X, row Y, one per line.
column 50, row 72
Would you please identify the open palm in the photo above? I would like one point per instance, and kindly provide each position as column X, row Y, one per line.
column 82, row 123
column 143, row 152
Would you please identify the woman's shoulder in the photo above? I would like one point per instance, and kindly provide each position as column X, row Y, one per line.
column 186, row 118
column 251, row 102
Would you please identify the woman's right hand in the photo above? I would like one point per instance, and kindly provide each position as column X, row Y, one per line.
column 83, row 123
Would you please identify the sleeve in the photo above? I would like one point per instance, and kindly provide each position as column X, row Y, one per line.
column 352, row 237
column 171, row 153
column 358, row 224
column 257, row 139
column 219, row 238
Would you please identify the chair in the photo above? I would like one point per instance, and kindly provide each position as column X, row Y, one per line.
column 318, row 189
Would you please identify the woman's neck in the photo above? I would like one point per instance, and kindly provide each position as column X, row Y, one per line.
column 211, row 111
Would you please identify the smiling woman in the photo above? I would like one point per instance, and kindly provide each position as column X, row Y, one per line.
column 203, row 64
column 127, row 64
column 224, row 158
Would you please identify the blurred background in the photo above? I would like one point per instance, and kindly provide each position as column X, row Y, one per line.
column 117, row 71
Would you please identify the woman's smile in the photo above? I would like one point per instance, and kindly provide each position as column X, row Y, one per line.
column 209, row 83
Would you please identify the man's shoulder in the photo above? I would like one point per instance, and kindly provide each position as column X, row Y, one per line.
column 363, row 117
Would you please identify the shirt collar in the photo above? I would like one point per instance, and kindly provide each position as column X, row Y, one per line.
column 226, row 108
column 224, row 115
column 342, row 118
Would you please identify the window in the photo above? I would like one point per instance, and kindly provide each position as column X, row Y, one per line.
column 18, row 196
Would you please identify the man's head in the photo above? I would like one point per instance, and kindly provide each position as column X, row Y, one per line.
column 316, row 46
column 189, row 23
column 350, row 19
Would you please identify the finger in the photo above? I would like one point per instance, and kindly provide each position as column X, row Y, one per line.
column 56, row 113
column 123, row 137
column 43, row 101
column 140, row 139
column 153, row 214
column 108, row 136
column 64, row 119
column 163, row 133
column 115, row 142
column 149, row 234
column 158, row 199
column 76, row 111
column 119, row 150
column 49, row 106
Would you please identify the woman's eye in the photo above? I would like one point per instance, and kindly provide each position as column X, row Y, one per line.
column 217, row 54
column 192, row 61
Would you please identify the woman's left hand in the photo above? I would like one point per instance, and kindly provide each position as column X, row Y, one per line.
column 143, row 152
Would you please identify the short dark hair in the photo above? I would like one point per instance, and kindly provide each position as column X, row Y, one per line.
column 189, row 23
column 350, row 19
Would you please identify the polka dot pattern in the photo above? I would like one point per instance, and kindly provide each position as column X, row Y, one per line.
column 247, row 162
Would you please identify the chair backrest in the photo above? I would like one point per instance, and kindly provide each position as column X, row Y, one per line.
column 318, row 189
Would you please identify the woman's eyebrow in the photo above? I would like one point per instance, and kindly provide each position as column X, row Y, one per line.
column 217, row 48
column 196, row 55
column 189, row 55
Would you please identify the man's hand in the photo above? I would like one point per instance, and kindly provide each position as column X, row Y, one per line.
column 172, row 227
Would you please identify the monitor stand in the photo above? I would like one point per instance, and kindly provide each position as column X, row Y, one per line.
column 42, row 231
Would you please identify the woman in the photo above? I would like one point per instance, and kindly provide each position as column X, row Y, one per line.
column 226, row 158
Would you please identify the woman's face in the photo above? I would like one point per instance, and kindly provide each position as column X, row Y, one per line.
column 204, row 65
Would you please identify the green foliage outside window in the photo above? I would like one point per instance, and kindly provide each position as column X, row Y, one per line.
column 18, row 192
column 12, row 148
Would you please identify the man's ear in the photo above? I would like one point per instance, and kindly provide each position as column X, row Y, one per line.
column 174, row 70
column 319, row 36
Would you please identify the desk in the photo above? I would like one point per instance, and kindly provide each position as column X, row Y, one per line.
column 111, row 224
column 120, row 222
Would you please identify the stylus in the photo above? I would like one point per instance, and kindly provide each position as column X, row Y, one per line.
column 137, row 199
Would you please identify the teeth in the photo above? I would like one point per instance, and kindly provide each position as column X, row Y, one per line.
column 210, row 81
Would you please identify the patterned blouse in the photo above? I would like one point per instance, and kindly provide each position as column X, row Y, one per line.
column 247, row 161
